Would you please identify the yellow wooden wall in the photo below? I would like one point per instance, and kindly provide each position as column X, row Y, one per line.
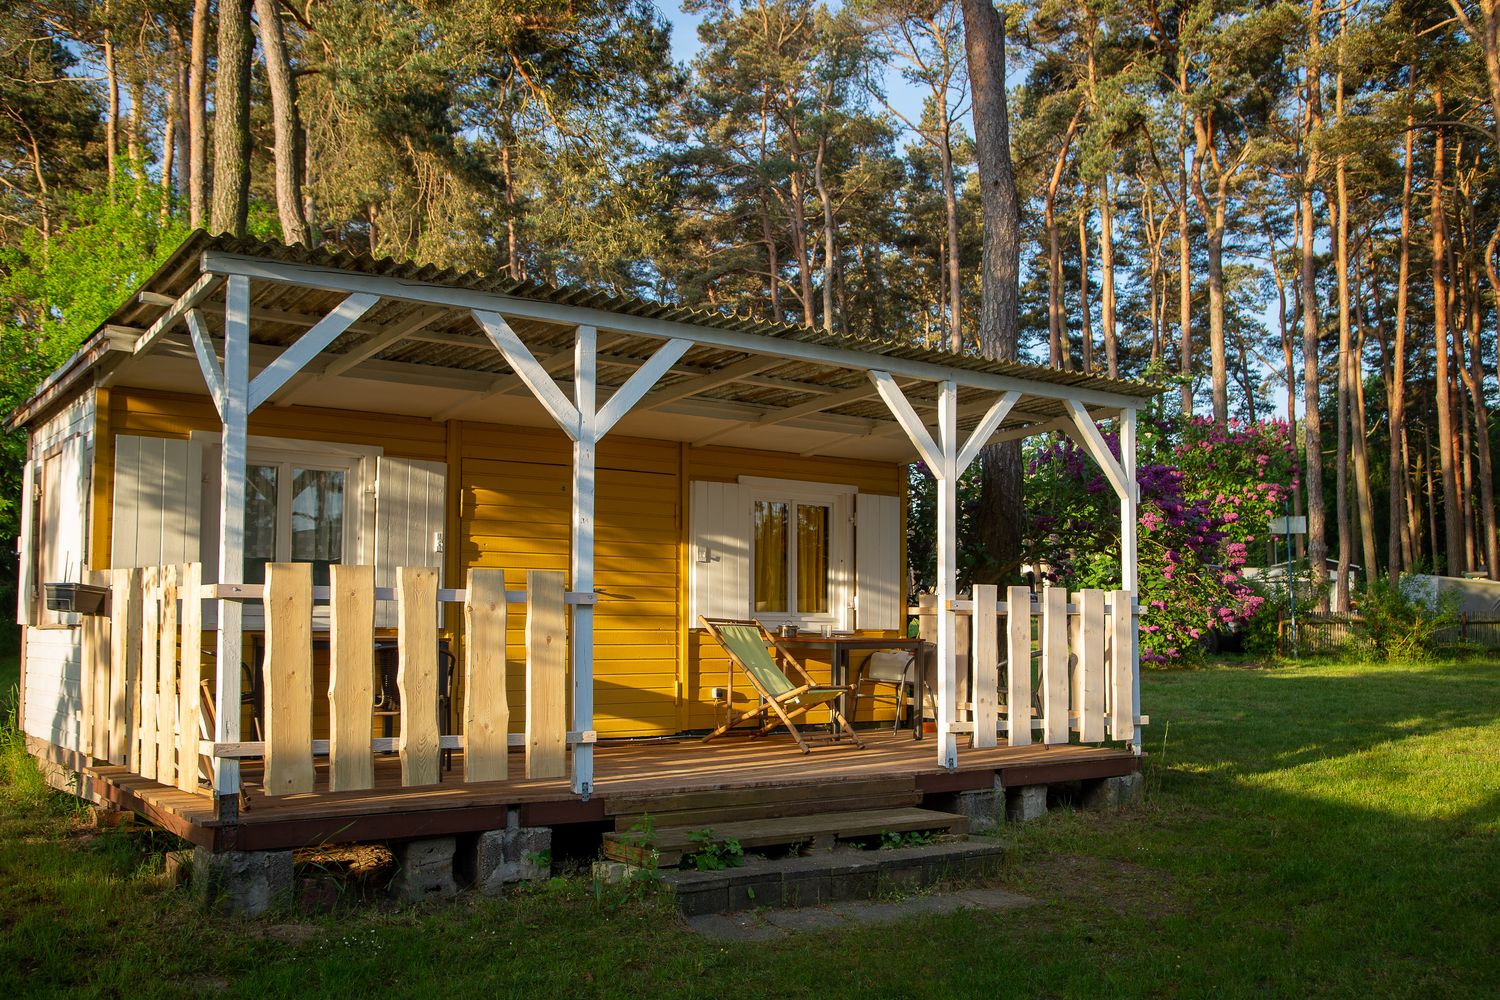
column 509, row 506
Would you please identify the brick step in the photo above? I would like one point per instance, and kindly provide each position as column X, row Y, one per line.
column 667, row 846
column 832, row 876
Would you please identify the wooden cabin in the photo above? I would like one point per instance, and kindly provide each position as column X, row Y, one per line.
column 294, row 474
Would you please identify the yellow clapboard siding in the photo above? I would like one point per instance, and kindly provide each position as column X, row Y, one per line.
column 728, row 464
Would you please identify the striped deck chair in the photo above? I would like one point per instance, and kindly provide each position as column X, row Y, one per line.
column 748, row 645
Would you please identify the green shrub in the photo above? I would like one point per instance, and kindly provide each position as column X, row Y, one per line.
column 1398, row 627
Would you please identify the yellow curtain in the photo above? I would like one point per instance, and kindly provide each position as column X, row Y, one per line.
column 770, row 556
column 812, row 559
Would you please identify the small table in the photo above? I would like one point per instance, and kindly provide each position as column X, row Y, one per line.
column 838, row 648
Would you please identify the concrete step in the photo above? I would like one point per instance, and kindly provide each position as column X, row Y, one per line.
column 666, row 847
column 832, row 876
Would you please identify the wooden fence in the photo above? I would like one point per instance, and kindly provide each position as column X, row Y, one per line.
column 146, row 705
column 1060, row 667
column 1321, row 632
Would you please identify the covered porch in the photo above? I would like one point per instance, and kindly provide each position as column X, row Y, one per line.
column 258, row 327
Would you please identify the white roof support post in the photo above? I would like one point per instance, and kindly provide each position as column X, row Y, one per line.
column 235, row 414
column 947, row 576
column 941, row 456
column 1129, row 567
column 581, row 563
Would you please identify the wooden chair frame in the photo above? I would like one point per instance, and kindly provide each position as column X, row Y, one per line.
column 767, row 703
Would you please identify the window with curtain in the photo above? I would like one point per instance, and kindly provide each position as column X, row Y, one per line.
column 793, row 565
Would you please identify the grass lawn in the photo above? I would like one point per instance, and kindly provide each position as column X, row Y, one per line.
column 1324, row 830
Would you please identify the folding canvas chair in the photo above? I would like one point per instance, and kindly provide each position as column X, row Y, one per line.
column 748, row 645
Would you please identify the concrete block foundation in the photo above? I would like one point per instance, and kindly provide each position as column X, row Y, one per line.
column 424, row 869
column 1114, row 793
column 503, row 858
column 243, row 883
column 1026, row 804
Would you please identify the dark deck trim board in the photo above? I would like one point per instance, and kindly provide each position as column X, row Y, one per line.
column 656, row 777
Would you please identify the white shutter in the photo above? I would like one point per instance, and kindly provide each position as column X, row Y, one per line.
column 410, row 512
column 157, row 502
column 878, row 546
column 26, row 547
column 720, row 551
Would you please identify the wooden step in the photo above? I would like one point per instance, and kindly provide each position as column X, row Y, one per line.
column 734, row 804
column 671, row 844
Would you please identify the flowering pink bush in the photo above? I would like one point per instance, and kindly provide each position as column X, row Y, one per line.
column 1206, row 495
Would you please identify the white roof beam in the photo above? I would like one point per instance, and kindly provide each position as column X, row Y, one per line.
column 338, row 279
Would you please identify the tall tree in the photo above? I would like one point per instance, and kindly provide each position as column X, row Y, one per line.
column 984, row 43
column 286, row 120
column 231, row 195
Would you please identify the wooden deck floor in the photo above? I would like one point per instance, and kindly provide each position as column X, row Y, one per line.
column 623, row 771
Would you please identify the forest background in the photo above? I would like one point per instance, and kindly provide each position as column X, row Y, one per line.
column 1286, row 211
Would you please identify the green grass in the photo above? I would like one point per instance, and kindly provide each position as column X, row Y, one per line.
column 1324, row 830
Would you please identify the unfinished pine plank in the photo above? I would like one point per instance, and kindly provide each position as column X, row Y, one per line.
column 166, row 687
column 546, row 676
column 150, row 650
column 190, row 577
column 124, row 654
column 1122, row 667
column 351, row 677
column 1054, row 665
column 1018, row 666
column 486, row 708
column 986, row 658
column 93, row 664
column 1091, row 672
column 289, row 679
column 417, row 675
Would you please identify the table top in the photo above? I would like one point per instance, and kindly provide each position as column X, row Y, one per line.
column 850, row 641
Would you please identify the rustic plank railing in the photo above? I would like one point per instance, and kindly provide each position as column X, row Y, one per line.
column 142, row 677
column 1084, row 677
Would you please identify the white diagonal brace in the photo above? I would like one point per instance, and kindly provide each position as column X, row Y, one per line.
column 702, row 383
column 895, row 401
column 986, row 429
column 203, row 346
column 558, row 361
column 196, row 292
column 639, row 383
column 308, row 346
column 1094, row 442
column 526, row 367
column 337, row 364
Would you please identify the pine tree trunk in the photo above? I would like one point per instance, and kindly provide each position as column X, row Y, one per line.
column 1213, row 217
column 830, row 257
column 1059, row 353
column 1001, row 510
column 1085, row 313
column 1317, row 524
column 111, row 114
column 1486, row 470
column 1363, row 497
column 1184, row 248
column 286, row 123
column 1402, row 534
column 1453, row 553
column 1107, row 277
column 1346, row 360
column 231, row 201
column 955, row 274
column 197, row 160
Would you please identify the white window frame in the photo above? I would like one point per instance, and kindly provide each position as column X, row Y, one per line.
column 839, row 499
column 359, row 464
